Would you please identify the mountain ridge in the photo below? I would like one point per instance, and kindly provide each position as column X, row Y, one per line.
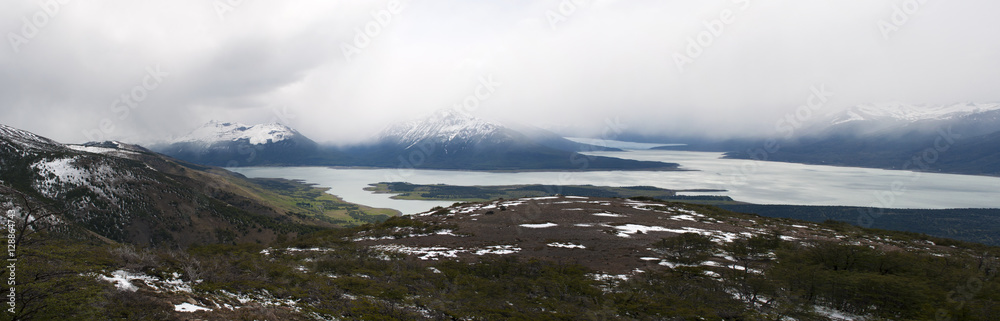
column 446, row 139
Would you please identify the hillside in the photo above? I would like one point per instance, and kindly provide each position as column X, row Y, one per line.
column 126, row 193
column 551, row 258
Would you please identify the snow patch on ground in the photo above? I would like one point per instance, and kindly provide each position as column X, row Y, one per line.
column 188, row 307
column 567, row 245
column 608, row 215
column 123, row 281
column 437, row 252
column 609, row 277
column 684, row 217
column 836, row 315
column 542, row 225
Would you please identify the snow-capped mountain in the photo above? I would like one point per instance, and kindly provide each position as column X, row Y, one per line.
column 448, row 127
column 234, row 144
column 903, row 112
column 957, row 138
column 216, row 131
column 446, row 139
column 455, row 140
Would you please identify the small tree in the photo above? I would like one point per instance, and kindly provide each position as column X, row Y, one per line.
column 687, row 248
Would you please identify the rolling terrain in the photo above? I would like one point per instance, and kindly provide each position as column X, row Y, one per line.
column 548, row 258
column 126, row 193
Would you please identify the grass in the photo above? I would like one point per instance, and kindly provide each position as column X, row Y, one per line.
column 305, row 200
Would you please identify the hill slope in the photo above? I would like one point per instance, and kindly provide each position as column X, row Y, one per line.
column 129, row 194
column 569, row 258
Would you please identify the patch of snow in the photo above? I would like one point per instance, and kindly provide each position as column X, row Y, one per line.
column 567, row 245
column 122, row 280
column 542, row 225
column 437, row 252
column 498, row 250
column 835, row 314
column 684, row 217
column 627, row 229
column 609, row 277
column 608, row 215
column 424, row 253
column 188, row 307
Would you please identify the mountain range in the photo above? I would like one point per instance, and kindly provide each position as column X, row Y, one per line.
column 113, row 230
column 957, row 138
column 446, row 139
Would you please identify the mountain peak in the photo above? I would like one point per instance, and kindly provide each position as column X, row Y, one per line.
column 217, row 131
column 905, row 112
column 443, row 125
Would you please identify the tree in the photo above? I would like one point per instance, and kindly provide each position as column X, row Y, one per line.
column 687, row 248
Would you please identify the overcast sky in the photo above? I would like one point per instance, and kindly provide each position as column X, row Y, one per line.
column 341, row 71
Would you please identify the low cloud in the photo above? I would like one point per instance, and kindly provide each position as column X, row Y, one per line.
column 341, row 71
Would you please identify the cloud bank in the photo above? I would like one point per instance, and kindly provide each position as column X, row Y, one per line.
column 340, row 71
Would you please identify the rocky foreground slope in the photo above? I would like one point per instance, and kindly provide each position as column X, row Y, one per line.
column 575, row 258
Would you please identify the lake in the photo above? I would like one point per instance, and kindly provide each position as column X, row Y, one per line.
column 744, row 180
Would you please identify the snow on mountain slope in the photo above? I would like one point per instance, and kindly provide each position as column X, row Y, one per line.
column 215, row 131
column 897, row 111
column 444, row 125
column 23, row 141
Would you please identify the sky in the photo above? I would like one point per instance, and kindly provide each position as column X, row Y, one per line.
column 340, row 71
